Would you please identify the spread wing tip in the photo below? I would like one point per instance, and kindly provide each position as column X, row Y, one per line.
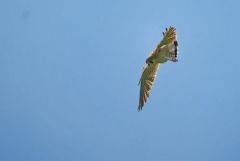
column 140, row 107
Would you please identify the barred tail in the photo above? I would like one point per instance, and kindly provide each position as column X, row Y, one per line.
column 176, row 49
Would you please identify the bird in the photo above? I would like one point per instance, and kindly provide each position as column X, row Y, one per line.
column 166, row 50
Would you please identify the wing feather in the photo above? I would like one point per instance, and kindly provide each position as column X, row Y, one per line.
column 146, row 82
column 170, row 36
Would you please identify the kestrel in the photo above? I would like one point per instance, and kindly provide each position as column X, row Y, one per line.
column 165, row 51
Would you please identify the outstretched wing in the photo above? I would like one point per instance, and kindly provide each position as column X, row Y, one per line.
column 170, row 36
column 146, row 82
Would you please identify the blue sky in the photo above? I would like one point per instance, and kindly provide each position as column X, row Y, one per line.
column 70, row 69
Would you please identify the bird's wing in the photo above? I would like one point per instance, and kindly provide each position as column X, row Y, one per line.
column 146, row 82
column 170, row 36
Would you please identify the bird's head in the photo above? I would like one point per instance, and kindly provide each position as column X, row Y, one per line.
column 150, row 59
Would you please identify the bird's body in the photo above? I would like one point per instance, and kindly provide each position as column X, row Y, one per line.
column 165, row 51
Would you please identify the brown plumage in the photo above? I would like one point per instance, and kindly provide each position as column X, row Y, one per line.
column 165, row 51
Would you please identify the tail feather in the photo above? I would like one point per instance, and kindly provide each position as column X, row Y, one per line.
column 176, row 49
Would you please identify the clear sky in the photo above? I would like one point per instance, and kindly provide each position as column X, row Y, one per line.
column 69, row 73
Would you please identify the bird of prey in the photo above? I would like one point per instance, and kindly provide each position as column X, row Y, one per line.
column 165, row 51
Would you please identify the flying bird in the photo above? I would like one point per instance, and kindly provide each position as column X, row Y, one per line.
column 165, row 51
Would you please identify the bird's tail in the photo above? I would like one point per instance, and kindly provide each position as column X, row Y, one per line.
column 173, row 49
column 176, row 48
